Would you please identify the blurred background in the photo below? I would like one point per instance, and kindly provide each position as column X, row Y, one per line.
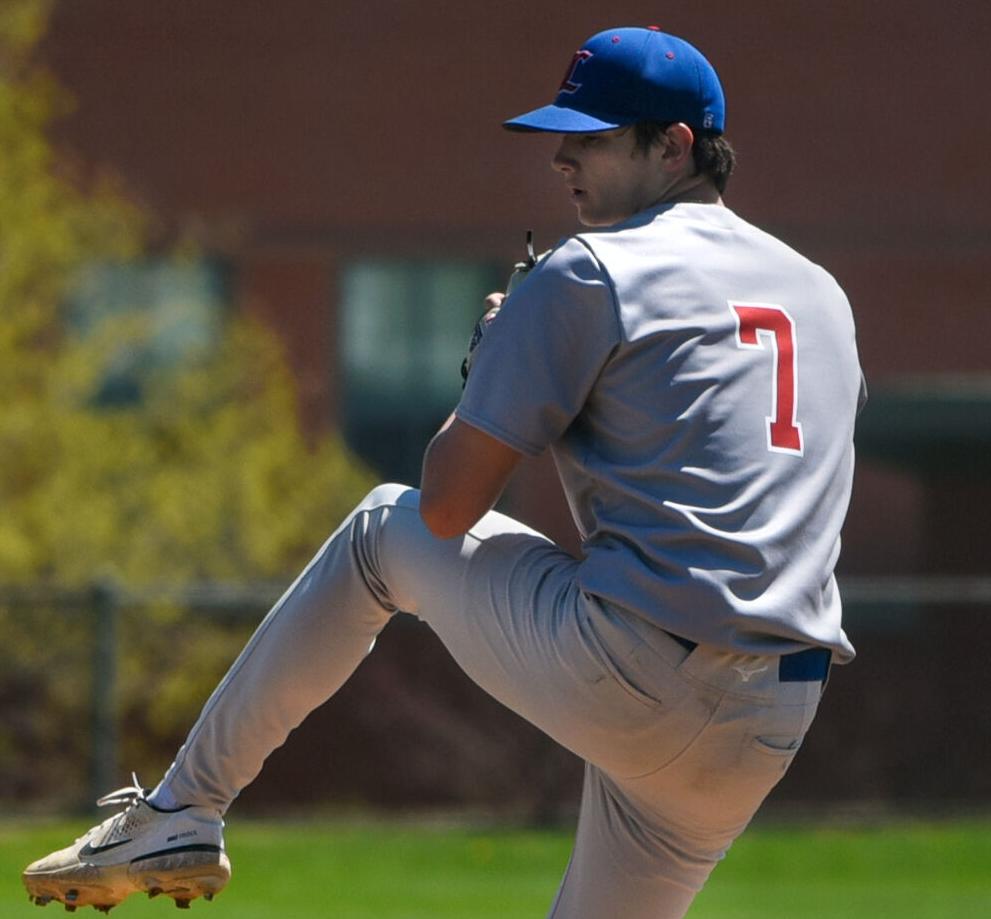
column 242, row 246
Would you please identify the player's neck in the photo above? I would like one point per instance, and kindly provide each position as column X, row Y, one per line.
column 696, row 189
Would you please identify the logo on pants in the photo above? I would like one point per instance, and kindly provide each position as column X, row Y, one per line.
column 747, row 672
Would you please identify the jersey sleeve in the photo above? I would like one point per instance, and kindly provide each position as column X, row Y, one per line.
column 534, row 368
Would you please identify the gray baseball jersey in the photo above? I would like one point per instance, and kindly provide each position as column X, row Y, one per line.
column 697, row 382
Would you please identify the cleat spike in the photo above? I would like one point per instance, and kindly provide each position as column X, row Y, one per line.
column 69, row 908
column 154, row 892
column 182, row 904
column 208, row 896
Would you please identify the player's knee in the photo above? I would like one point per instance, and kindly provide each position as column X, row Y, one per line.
column 390, row 495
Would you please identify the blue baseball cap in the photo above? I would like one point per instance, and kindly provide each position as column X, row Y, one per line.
column 622, row 76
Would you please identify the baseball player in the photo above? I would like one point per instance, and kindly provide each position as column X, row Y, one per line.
column 696, row 381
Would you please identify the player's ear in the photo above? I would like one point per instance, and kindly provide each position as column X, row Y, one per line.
column 676, row 144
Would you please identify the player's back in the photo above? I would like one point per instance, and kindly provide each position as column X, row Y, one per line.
column 715, row 450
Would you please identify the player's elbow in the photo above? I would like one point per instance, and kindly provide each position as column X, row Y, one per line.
column 442, row 517
column 464, row 472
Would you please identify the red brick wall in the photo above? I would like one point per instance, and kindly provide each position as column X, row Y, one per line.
column 860, row 130
column 297, row 134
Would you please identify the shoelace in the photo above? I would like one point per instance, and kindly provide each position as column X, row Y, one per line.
column 127, row 795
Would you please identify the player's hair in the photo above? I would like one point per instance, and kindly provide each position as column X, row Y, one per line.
column 713, row 154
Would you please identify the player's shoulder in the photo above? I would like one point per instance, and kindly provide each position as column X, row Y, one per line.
column 571, row 256
column 784, row 257
column 776, row 245
column 570, row 269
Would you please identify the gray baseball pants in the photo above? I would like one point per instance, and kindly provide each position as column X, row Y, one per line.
column 681, row 746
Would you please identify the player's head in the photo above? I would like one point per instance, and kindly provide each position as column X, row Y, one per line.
column 657, row 87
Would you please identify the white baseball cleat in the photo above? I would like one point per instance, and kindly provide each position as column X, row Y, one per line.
column 142, row 849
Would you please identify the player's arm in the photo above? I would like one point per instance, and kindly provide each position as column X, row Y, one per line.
column 543, row 349
column 464, row 472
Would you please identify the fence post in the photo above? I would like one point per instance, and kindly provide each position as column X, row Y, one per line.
column 103, row 752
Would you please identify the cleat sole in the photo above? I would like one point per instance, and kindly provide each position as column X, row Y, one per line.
column 183, row 876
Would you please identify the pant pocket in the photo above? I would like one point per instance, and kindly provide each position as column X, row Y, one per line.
column 777, row 746
column 725, row 776
column 764, row 759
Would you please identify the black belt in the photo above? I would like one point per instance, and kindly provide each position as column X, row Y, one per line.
column 798, row 667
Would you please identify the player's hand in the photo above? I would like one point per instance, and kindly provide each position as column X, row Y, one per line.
column 493, row 303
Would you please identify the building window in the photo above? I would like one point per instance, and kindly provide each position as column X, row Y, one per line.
column 404, row 329
column 167, row 312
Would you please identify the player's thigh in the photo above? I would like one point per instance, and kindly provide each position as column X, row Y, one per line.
column 621, row 868
column 506, row 603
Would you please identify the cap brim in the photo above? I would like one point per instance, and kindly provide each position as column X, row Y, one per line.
column 561, row 120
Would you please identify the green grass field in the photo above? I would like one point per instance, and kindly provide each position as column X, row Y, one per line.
column 380, row 870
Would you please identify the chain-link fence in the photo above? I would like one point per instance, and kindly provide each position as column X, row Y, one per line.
column 98, row 682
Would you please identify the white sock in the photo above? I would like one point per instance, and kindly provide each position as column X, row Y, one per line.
column 162, row 798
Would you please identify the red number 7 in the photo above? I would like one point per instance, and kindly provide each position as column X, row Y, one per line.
column 784, row 433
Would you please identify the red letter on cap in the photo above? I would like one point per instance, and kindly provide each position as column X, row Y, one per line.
column 568, row 84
